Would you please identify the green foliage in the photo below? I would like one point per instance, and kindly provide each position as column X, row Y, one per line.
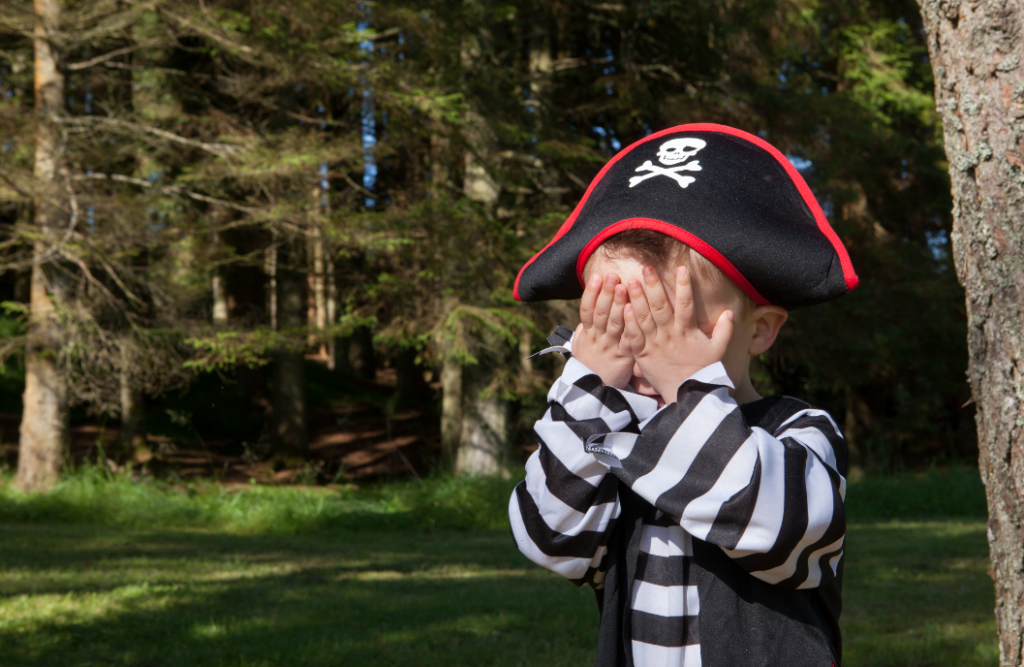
column 879, row 61
column 226, row 350
column 220, row 139
column 94, row 495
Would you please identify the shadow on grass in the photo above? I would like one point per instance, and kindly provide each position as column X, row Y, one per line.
column 918, row 594
column 915, row 593
column 152, row 598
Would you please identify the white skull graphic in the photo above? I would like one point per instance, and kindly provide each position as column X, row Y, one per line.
column 676, row 151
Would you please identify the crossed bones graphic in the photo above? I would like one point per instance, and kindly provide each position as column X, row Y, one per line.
column 672, row 173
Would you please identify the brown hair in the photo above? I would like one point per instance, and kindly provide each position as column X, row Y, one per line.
column 665, row 253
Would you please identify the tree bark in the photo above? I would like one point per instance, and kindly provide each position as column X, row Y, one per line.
column 133, row 410
column 451, row 409
column 289, row 395
column 44, row 422
column 975, row 53
column 484, row 439
column 270, row 271
column 220, row 291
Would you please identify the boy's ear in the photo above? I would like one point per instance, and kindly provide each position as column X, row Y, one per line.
column 767, row 320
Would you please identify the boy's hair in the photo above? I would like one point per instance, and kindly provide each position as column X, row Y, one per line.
column 666, row 254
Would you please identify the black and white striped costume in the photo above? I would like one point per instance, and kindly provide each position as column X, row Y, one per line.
column 708, row 476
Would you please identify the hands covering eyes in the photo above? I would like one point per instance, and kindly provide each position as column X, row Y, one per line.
column 599, row 343
column 623, row 325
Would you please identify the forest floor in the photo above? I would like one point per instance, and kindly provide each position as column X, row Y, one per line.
column 357, row 429
column 111, row 571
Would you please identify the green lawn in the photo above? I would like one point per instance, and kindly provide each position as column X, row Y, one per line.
column 916, row 594
column 112, row 572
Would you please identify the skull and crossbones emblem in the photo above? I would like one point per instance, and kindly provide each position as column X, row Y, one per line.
column 671, row 153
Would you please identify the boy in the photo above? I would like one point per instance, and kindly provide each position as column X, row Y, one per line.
column 710, row 520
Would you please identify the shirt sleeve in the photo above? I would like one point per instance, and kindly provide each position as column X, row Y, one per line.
column 772, row 501
column 565, row 509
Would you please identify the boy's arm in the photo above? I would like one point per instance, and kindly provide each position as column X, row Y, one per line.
column 772, row 501
column 564, row 511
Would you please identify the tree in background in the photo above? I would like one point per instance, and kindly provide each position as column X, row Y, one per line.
column 975, row 51
column 258, row 179
column 44, row 423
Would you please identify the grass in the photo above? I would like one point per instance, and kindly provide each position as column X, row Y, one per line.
column 109, row 572
column 93, row 496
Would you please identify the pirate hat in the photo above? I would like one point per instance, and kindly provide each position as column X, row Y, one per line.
column 727, row 194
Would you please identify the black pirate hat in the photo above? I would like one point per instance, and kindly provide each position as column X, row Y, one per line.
column 727, row 194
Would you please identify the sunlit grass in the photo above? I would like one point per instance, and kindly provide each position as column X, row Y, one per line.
column 114, row 572
column 91, row 495
column 80, row 595
column 915, row 594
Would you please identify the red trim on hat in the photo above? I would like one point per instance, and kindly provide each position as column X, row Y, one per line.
column 819, row 216
column 709, row 253
column 567, row 225
column 801, row 185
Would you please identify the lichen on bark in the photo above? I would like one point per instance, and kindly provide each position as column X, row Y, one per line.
column 979, row 89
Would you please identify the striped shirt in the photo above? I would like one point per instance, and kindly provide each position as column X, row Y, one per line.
column 773, row 502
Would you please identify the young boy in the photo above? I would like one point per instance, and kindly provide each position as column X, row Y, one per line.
column 710, row 520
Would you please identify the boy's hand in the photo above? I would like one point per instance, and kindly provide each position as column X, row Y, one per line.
column 667, row 344
column 598, row 342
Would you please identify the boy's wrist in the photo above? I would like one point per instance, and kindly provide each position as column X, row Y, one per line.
column 668, row 384
column 614, row 372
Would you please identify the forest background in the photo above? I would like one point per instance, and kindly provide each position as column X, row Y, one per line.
column 276, row 241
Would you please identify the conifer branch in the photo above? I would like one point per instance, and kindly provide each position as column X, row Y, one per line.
column 167, row 189
column 85, row 64
column 218, row 149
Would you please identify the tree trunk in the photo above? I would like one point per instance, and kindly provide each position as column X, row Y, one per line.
column 220, row 291
column 332, row 314
column 484, row 427
column 482, row 437
column 318, row 289
column 270, row 271
column 979, row 88
column 133, row 412
column 360, row 355
column 289, row 395
column 451, row 409
column 411, row 383
column 44, row 422
column 478, row 184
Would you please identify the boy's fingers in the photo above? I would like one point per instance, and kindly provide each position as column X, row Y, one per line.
column 624, row 347
column 723, row 331
column 641, row 310
column 634, row 336
column 589, row 300
column 604, row 301
column 661, row 311
column 616, row 323
column 686, row 313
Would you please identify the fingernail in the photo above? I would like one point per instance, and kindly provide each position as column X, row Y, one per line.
column 731, row 315
column 681, row 271
column 648, row 272
column 595, row 280
column 634, row 284
column 611, row 279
